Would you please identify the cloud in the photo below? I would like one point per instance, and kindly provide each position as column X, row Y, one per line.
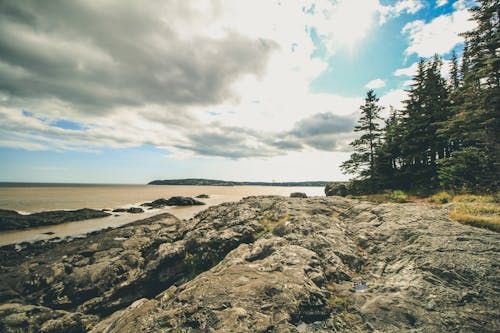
column 193, row 78
column 440, row 3
column 463, row 4
column 407, row 71
column 375, row 84
column 394, row 98
column 321, row 131
column 90, row 56
column 400, row 7
column 439, row 36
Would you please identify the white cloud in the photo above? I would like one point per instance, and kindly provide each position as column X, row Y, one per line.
column 400, row 7
column 375, row 84
column 407, row 71
column 344, row 23
column 439, row 36
column 463, row 4
column 393, row 98
column 440, row 3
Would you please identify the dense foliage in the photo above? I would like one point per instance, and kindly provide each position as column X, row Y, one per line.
column 447, row 134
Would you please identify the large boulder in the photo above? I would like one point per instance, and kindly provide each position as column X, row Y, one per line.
column 135, row 210
column 173, row 201
column 298, row 195
column 336, row 189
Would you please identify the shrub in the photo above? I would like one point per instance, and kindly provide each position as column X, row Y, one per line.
column 398, row 196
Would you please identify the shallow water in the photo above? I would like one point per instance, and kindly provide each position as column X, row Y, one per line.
column 28, row 199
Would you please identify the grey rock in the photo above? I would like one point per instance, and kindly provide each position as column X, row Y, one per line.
column 298, row 195
column 173, row 201
column 12, row 220
column 202, row 196
column 135, row 210
column 336, row 189
column 268, row 264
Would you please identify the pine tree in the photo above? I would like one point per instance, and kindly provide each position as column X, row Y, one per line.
column 362, row 161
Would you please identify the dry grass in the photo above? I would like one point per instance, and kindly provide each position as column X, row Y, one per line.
column 394, row 196
column 475, row 198
column 485, row 216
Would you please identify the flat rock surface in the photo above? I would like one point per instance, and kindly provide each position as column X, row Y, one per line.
column 12, row 220
column 265, row 264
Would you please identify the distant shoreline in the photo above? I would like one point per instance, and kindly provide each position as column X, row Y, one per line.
column 183, row 182
column 215, row 182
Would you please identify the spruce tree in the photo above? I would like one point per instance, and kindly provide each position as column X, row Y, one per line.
column 475, row 125
column 362, row 161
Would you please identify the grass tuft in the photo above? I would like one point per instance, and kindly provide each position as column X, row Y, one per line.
column 269, row 223
column 441, row 198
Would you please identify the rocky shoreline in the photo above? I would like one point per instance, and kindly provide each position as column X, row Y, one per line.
column 12, row 220
column 264, row 264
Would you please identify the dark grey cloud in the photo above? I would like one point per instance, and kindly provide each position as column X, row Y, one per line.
column 97, row 55
column 321, row 124
column 230, row 142
column 322, row 131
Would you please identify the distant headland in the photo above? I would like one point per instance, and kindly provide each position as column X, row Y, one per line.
column 213, row 182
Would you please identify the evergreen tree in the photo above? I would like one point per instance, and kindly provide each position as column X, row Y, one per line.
column 454, row 72
column 388, row 154
column 362, row 161
column 475, row 125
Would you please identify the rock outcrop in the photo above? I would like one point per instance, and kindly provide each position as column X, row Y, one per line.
column 265, row 264
column 298, row 195
column 336, row 189
column 135, row 210
column 173, row 201
column 12, row 220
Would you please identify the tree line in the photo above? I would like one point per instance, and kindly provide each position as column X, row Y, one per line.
column 447, row 134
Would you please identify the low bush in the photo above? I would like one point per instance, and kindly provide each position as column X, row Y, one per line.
column 441, row 198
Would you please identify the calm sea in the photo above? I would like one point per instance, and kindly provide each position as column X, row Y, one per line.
column 29, row 198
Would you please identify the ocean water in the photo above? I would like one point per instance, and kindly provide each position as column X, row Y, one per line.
column 29, row 198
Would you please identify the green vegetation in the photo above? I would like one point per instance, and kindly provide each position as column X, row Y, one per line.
column 441, row 197
column 447, row 135
column 269, row 223
column 388, row 196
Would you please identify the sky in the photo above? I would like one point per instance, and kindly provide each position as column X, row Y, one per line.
column 118, row 91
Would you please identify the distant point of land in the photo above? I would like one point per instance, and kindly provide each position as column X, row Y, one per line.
column 213, row 182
